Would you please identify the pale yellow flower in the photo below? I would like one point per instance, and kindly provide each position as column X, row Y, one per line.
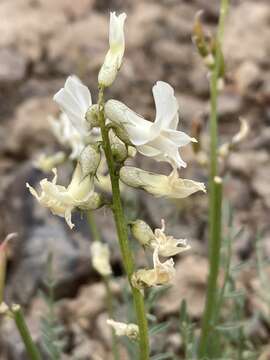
column 167, row 245
column 47, row 163
column 100, row 254
column 160, row 185
column 161, row 274
column 63, row 200
column 122, row 329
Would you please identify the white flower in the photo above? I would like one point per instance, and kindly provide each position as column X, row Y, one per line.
column 171, row 186
column 67, row 134
column 160, row 139
column 114, row 56
column 167, row 245
column 63, row 200
column 122, row 329
column 74, row 99
column 47, row 163
column 161, row 274
column 101, row 258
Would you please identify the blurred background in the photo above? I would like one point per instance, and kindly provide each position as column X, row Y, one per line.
column 44, row 41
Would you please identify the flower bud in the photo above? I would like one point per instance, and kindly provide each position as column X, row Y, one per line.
column 89, row 159
column 142, row 232
column 114, row 56
column 101, row 258
column 91, row 116
column 119, row 149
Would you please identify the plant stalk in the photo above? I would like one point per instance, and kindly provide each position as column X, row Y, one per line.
column 215, row 195
column 30, row 347
column 109, row 299
column 122, row 231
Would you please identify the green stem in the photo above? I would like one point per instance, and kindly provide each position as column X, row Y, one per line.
column 97, row 237
column 122, row 231
column 30, row 347
column 215, row 195
column 93, row 226
column 214, row 260
column 110, row 308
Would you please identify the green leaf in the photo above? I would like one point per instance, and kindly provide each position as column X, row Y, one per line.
column 156, row 329
column 163, row 356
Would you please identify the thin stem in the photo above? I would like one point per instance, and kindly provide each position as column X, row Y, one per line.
column 215, row 195
column 109, row 299
column 215, row 245
column 30, row 347
column 122, row 231
column 93, row 225
column 110, row 309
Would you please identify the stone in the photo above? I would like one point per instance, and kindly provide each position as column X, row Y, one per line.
column 189, row 284
column 12, row 66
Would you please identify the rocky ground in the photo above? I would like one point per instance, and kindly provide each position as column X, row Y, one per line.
column 43, row 41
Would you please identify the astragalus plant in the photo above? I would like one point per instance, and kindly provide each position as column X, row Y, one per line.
column 101, row 136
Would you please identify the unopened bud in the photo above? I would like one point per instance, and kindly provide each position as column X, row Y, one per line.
column 101, row 258
column 199, row 37
column 90, row 159
column 119, row 149
column 92, row 116
column 142, row 232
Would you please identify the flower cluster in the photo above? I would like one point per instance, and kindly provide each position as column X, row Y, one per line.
column 80, row 128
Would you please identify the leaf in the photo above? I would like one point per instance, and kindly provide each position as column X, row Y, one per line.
column 156, row 329
column 229, row 326
column 163, row 356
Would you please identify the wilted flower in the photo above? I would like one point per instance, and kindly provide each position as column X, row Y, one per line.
column 63, row 200
column 114, row 56
column 160, row 185
column 167, row 245
column 47, row 163
column 101, row 258
column 74, row 99
column 161, row 139
column 161, row 274
column 122, row 329
column 224, row 149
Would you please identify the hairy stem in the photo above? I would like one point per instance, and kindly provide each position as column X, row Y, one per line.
column 30, row 347
column 122, row 232
column 109, row 299
column 215, row 195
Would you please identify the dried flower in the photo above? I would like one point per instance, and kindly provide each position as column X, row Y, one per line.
column 114, row 56
column 122, row 329
column 47, row 163
column 160, row 185
column 62, row 201
column 159, row 140
column 101, row 258
column 74, row 99
column 167, row 245
column 161, row 274
column 225, row 149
